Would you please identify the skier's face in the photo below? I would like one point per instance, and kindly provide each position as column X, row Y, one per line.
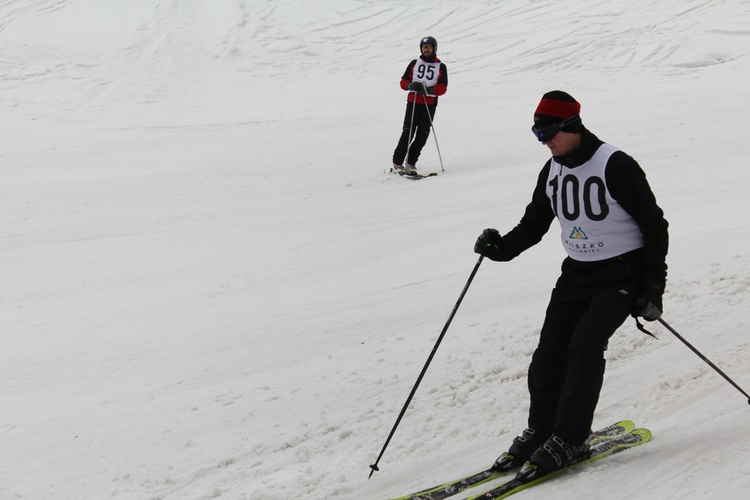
column 563, row 143
column 427, row 50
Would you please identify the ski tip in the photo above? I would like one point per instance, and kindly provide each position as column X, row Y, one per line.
column 644, row 433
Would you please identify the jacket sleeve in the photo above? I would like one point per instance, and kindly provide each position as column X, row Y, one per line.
column 628, row 185
column 406, row 78
column 442, row 85
column 535, row 222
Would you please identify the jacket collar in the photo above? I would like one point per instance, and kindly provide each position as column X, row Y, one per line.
column 589, row 144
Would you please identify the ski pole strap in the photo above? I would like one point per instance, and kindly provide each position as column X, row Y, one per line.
column 642, row 328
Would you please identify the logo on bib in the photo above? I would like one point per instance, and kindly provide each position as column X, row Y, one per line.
column 578, row 234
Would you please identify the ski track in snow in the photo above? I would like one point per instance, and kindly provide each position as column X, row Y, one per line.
column 215, row 290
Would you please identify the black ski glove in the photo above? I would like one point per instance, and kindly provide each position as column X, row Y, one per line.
column 490, row 244
column 649, row 305
column 418, row 87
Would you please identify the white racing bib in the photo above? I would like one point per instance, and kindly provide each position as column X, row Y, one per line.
column 426, row 72
column 594, row 225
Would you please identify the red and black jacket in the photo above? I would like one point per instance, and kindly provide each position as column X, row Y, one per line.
column 433, row 73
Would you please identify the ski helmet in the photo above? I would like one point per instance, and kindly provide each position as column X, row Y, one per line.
column 428, row 40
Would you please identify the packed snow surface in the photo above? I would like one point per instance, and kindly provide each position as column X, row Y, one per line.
column 213, row 288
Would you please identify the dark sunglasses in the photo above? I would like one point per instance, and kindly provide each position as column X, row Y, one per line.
column 546, row 134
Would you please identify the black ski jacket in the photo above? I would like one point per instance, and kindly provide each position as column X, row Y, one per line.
column 627, row 184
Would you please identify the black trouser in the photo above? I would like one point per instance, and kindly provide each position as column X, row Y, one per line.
column 589, row 302
column 420, row 131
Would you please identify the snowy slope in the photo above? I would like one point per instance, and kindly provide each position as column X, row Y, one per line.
column 213, row 289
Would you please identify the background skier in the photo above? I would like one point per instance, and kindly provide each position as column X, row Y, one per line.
column 425, row 79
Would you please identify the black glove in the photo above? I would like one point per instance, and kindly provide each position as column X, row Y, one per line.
column 490, row 244
column 418, row 87
column 649, row 305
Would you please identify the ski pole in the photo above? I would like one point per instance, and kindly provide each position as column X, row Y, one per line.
column 434, row 134
column 696, row 351
column 374, row 466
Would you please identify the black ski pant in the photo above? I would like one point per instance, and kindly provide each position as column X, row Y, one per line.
column 420, row 131
column 589, row 302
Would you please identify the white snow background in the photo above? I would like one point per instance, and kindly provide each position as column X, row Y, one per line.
column 212, row 288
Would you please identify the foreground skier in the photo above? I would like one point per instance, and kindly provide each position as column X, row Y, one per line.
column 616, row 238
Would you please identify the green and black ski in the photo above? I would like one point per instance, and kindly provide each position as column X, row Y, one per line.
column 528, row 475
column 505, row 464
